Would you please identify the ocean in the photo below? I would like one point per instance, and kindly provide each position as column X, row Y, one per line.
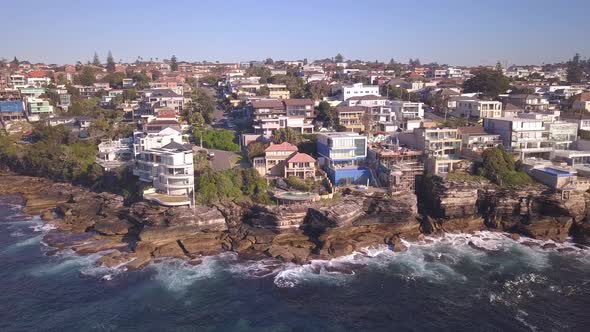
column 482, row 282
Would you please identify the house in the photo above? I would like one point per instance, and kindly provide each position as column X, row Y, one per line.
column 31, row 91
column 158, row 125
column 582, row 102
column 351, row 118
column 581, row 119
column 396, row 167
column 114, row 153
column 11, row 110
column 284, row 160
column 158, row 98
column 37, row 106
column 528, row 137
column 368, row 101
column 475, row 140
column 562, row 134
column 529, row 102
column 442, row 146
column 143, row 141
column 359, row 90
column 342, row 156
column 18, row 80
column 270, row 115
column 407, row 110
column 479, row 108
column 170, row 170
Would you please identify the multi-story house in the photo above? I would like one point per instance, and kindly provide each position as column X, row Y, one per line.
column 562, row 134
column 11, row 110
column 442, row 146
column 526, row 137
column 479, row 108
column 272, row 114
column 170, row 170
column 143, row 141
column 342, row 156
column 18, row 80
column 529, row 102
column 31, row 91
column 582, row 102
column 159, row 98
column 351, row 118
column 475, row 140
column 407, row 110
column 359, row 90
column 37, row 106
column 284, row 160
column 582, row 120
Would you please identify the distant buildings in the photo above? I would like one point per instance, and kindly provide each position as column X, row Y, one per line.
column 479, row 108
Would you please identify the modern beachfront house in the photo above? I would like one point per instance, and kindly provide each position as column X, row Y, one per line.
column 342, row 156
column 165, row 162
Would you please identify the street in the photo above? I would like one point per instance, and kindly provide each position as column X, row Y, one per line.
column 223, row 159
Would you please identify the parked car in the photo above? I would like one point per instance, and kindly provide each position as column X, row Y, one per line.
column 210, row 156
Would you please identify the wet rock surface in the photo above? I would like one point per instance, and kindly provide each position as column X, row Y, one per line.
column 132, row 236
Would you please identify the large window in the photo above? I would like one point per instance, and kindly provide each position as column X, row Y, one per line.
column 360, row 147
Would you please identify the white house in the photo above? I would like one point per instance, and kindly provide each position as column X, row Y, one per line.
column 359, row 90
column 407, row 109
column 479, row 108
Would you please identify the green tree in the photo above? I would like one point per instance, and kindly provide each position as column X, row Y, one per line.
column 86, row 76
column 574, row 70
column 15, row 63
column 263, row 91
column 499, row 167
column 173, row 63
column 268, row 61
column 110, row 63
column 114, row 79
column 129, row 94
column 255, row 149
column 96, row 60
column 499, row 67
column 325, row 114
column 286, row 135
column 490, row 83
column 338, row 58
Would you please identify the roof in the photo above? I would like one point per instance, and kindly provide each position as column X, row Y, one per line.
column 300, row 157
column 178, row 146
column 269, row 103
column 13, row 106
column 163, row 122
column 351, row 109
column 512, row 107
column 285, row 146
column 584, row 96
column 166, row 93
column 297, row 102
column 367, row 97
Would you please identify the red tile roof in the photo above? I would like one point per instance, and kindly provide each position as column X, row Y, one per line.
column 285, row 146
column 300, row 157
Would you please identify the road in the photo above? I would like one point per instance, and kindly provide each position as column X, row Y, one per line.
column 223, row 160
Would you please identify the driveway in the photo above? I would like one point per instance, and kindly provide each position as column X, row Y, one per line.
column 223, row 160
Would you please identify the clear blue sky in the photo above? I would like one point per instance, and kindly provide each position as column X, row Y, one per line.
column 446, row 31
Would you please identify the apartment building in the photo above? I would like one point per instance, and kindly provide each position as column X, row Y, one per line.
column 359, row 90
column 442, row 147
column 527, row 137
column 342, row 156
column 479, row 108
column 475, row 140
column 351, row 118
column 562, row 134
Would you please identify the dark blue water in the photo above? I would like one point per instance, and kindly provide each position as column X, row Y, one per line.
column 446, row 285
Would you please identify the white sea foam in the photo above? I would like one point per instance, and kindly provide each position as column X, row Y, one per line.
column 521, row 316
column 67, row 261
column 176, row 274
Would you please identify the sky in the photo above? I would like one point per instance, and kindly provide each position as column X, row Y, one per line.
column 453, row 32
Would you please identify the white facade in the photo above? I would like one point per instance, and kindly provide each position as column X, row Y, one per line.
column 359, row 90
column 407, row 109
column 144, row 142
column 525, row 136
column 479, row 108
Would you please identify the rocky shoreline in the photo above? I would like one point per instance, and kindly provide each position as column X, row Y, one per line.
column 88, row 222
